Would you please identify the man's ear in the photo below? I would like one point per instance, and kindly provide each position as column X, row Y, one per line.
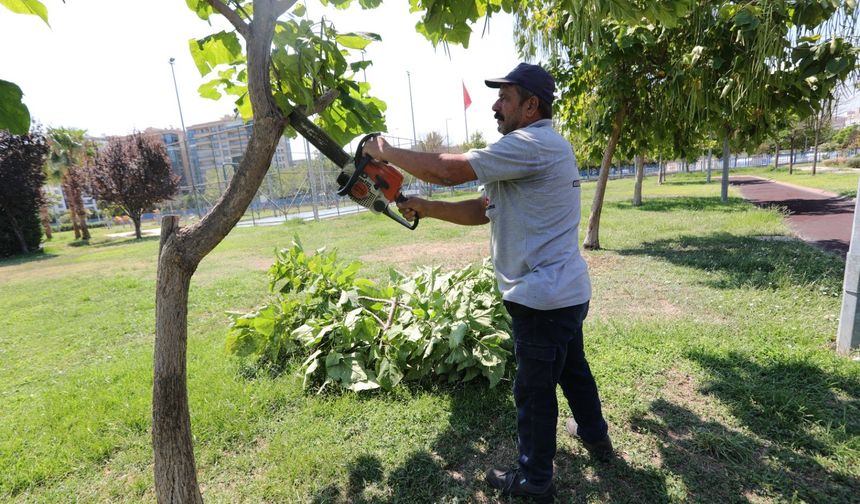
column 532, row 106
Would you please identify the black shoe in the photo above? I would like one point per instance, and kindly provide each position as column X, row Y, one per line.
column 601, row 450
column 513, row 483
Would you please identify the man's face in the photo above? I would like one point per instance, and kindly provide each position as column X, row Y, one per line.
column 509, row 112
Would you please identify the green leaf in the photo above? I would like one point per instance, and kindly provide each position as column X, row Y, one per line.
column 14, row 115
column 31, row 7
column 221, row 48
column 457, row 356
column 265, row 323
column 389, row 374
column 495, row 375
column 241, row 343
column 357, row 40
column 210, row 89
column 455, row 339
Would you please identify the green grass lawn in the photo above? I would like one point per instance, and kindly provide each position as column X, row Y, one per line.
column 711, row 341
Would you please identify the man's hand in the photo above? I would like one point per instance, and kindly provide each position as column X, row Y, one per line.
column 376, row 147
column 412, row 208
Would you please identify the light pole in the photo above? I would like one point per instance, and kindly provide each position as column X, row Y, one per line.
column 414, row 136
column 185, row 141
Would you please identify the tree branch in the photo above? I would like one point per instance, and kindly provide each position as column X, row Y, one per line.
column 231, row 16
column 282, row 6
column 322, row 102
column 391, row 315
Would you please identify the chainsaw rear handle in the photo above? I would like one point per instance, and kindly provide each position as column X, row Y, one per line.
column 400, row 220
column 400, row 199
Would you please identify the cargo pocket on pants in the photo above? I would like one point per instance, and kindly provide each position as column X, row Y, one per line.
column 534, row 365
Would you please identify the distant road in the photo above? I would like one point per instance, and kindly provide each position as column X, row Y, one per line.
column 818, row 217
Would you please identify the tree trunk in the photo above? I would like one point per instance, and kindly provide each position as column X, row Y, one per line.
column 182, row 251
column 79, row 211
column 592, row 238
column 82, row 216
column 16, row 229
column 136, row 219
column 68, row 192
column 724, row 188
column 45, row 217
column 818, row 123
column 776, row 159
column 791, row 157
column 640, row 174
column 175, row 472
column 660, row 170
column 710, row 164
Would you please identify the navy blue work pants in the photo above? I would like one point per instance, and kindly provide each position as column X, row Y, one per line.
column 549, row 352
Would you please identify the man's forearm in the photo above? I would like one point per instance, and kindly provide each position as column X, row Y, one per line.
column 467, row 213
column 440, row 169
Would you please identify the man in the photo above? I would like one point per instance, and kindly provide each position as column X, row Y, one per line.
column 532, row 200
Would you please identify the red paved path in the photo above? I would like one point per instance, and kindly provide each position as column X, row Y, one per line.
column 818, row 217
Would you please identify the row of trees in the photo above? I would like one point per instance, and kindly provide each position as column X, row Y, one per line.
column 677, row 79
column 129, row 173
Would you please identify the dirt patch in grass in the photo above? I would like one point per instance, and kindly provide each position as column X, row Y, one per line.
column 447, row 255
column 55, row 270
column 637, row 288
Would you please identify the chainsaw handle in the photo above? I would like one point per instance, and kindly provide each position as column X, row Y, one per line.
column 400, row 199
column 359, row 151
column 400, row 220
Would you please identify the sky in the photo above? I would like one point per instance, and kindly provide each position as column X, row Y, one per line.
column 103, row 65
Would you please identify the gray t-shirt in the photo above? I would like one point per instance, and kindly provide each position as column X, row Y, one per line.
column 533, row 199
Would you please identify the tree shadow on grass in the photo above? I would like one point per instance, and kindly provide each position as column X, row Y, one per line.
column 673, row 181
column 783, row 459
column 113, row 242
column 742, row 261
column 480, row 419
column 782, row 400
column 481, row 433
column 708, row 204
column 25, row 259
column 614, row 481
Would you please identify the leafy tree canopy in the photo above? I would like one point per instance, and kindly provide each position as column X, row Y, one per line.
column 21, row 179
column 133, row 173
column 309, row 64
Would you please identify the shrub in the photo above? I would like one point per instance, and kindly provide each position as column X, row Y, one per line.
column 351, row 333
column 21, row 179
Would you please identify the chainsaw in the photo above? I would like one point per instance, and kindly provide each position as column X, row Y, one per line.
column 370, row 183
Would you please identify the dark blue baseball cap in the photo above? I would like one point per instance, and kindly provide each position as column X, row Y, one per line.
column 532, row 77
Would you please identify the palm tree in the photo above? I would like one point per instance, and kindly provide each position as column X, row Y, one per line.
column 68, row 155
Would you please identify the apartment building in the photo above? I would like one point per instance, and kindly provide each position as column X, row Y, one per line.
column 216, row 148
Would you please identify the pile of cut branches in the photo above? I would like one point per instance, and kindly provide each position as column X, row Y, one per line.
column 352, row 333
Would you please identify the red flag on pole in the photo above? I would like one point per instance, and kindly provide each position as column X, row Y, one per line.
column 467, row 100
